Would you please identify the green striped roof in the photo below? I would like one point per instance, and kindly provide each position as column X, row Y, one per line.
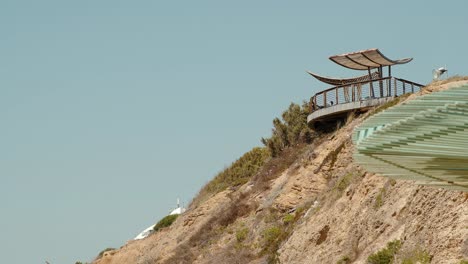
column 425, row 140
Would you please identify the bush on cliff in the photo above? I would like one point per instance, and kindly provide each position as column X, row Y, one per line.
column 292, row 130
column 165, row 222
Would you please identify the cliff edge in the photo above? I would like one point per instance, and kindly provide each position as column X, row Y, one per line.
column 314, row 204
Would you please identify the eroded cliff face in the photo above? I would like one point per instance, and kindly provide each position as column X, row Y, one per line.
column 324, row 208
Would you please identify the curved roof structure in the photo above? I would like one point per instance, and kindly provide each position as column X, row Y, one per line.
column 344, row 81
column 422, row 140
column 366, row 59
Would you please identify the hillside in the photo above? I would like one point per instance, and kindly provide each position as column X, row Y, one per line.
column 311, row 203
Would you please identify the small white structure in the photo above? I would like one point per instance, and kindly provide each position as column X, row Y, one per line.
column 178, row 210
column 145, row 233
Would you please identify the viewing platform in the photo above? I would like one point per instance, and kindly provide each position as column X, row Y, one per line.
column 358, row 93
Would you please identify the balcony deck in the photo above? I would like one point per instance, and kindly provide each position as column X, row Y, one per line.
column 337, row 102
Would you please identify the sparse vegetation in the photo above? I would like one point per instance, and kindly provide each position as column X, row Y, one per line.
column 343, row 183
column 385, row 255
column 292, row 130
column 209, row 231
column 242, row 233
column 289, row 136
column 278, row 230
column 417, row 256
column 334, row 155
column 275, row 166
column 391, row 103
column 272, row 237
column 237, row 174
column 379, row 199
column 287, row 219
column 246, row 236
column 344, row 260
column 165, row 222
column 101, row 254
column 454, row 78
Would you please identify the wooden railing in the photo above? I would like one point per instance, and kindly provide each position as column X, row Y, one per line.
column 365, row 90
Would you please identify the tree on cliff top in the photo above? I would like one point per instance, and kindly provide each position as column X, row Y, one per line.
column 291, row 131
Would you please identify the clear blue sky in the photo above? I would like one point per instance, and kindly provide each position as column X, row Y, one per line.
column 110, row 110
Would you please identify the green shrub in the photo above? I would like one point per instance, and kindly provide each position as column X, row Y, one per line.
column 272, row 238
column 463, row 261
column 343, row 183
column 287, row 219
column 379, row 199
column 104, row 251
column 165, row 222
column 241, row 234
column 290, row 131
column 271, row 235
column 344, row 260
column 280, row 229
column 386, row 255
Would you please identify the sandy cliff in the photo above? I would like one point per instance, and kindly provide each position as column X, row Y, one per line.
column 322, row 209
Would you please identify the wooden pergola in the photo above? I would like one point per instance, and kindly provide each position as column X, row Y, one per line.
column 361, row 91
column 367, row 60
column 371, row 60
column 344, row 81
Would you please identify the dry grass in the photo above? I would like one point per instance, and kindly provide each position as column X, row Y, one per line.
column 237, row 174
column 210, row 231
column 393, row 102
column 239, row 206
column 273, row 168
column 454, row 78
column 331, row 158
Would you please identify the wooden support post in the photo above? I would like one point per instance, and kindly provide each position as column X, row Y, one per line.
column 359, row 91
column 354, row 92
column 346, row 93
column 389, row 80
column 404, row 88
column 387, row 87
column 336, row 95
column 371, row 87
column 380, row 82
column 324, row 99
column 395, row 88
column 412, row 88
